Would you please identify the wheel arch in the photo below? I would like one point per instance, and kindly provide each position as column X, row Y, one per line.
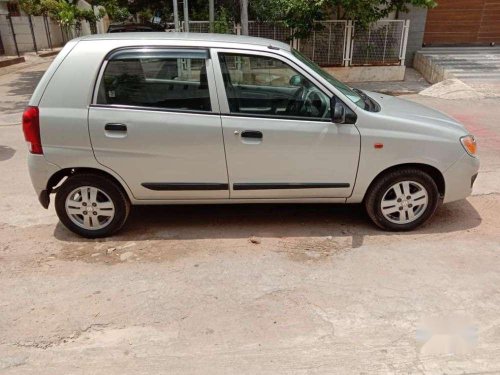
column 55, row 180
column 433, row 172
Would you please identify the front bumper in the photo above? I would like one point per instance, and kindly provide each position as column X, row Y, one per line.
column 40, row 172
column 460, row 177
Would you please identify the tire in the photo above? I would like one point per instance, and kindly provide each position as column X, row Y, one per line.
column 106, row 207
column 388, row 206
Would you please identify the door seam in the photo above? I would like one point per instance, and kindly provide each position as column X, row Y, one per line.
column 220, row 119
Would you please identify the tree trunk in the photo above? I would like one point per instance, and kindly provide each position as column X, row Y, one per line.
column 244, row 17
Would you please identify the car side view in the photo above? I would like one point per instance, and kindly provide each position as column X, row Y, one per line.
column 167, row 118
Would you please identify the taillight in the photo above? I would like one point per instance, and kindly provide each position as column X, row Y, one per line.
column 31, row 129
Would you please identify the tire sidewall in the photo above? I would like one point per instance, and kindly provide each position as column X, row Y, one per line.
column 380, row 188
column 115, row 194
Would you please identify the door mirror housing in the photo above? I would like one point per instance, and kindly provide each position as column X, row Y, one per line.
column 296, row 80
column 341, row 114
column 338, row 115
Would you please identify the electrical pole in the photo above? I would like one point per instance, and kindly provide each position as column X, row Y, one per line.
column 244, row 17
column 211, row 14
column 186, row 16
column 176, row 16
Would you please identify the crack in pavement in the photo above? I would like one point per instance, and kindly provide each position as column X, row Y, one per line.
column 59, row 340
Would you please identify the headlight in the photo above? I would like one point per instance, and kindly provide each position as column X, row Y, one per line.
column 470, row 145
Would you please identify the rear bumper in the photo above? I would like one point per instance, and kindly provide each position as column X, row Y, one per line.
column 40, row 172
column 460, row 177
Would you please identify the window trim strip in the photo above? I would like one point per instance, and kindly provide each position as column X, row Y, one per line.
column 271, row 117
column 154, row 109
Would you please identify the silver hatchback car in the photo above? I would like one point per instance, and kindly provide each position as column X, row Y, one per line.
column 166, row 118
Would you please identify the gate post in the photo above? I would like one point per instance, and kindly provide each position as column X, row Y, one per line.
column 348, row 40
column 404, row 42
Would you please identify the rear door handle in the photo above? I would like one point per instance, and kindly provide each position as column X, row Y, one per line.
column 115, row 127
column 251, row 134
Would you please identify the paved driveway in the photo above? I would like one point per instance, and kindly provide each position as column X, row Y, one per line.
column 184, row 290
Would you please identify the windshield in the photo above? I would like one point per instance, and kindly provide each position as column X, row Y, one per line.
column 346, row 90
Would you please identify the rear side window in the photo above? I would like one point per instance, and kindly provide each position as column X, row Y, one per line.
column 175, row 80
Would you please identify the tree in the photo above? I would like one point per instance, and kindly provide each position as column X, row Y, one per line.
column 399, row 6
column 365, row 12
column 299, row 15
column 90, row 16
column 115, row 12
column 30, row 7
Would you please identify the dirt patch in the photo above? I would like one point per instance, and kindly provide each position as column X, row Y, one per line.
column 113, row 252
column 314, row 249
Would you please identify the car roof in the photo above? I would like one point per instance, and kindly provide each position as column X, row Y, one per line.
column 197, row 37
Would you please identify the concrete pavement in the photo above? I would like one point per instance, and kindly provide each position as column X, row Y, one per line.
column 17, row 83
column 184, row 290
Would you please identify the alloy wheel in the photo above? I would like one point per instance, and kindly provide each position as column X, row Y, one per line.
column 404, row 202
column 90, row 208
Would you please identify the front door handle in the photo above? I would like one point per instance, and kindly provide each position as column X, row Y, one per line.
column 114, row 127
column 251, row 134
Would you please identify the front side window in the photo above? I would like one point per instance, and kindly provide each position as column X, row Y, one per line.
column 354, row 96
column 153, row 80
column 261, row 85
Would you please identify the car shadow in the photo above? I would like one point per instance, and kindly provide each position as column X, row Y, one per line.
column 6, row 152
column 19, row 91
column 194, row 222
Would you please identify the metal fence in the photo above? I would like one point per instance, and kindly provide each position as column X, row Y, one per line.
column 326, row 45
column 383, row 43
column 332, row 43
column 204, row 27
column 271, row 30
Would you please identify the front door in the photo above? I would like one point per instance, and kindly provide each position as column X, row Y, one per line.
column 279, row 138
column 155, row 121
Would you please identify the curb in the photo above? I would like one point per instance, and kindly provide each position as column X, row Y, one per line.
column 11, row 61
column 48, row 54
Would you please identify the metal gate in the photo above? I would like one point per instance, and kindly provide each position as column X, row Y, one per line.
column 332, row 43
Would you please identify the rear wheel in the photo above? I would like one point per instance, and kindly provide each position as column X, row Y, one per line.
column 92, row 206
column 402, row 199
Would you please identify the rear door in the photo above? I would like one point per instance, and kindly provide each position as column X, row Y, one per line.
column 155, row 121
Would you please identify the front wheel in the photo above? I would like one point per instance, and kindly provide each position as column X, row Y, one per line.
column 92, row 206
column 402, row 200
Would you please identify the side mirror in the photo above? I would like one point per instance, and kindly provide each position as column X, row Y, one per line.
column 296, row 80
column 341, row 114
column 338, row 113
